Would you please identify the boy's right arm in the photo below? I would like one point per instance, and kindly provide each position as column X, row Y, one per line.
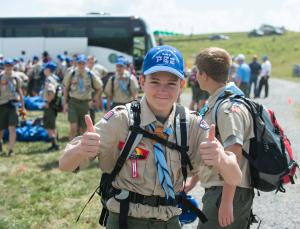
column 81, row 150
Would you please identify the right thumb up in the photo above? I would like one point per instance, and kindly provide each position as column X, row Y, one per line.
column 89, row 124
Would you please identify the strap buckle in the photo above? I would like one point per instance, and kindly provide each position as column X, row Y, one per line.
column 152, row 201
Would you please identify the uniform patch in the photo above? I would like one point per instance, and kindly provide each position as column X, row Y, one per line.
column 138, row 154
column 108, row 115
column 235, row 108
column 203, row 124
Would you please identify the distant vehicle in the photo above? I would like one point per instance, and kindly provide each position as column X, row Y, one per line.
column 256, row 33
column 215, row 37
column 106, row 37
column 265, row 30
column 271, row 30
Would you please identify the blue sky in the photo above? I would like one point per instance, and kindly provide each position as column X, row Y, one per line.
column 185, row 16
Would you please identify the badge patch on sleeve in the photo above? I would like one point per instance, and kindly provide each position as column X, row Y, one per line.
column 235, row 108
column 203, row 124
column 108, row 115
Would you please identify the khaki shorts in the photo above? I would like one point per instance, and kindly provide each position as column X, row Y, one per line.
column 8, row 116
column 77, row 110
column 242, row 204
column 49, row 118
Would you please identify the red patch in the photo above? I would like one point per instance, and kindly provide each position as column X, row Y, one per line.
column 139, row 153
column 108, row 115
column 235, row 109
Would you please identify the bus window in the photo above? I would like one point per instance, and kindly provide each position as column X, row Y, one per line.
column 138, row 51
column 113, row 37
column 29, row 31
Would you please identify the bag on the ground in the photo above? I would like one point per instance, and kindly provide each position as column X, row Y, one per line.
column 270, row 154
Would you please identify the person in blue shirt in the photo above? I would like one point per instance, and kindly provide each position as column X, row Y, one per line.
column 243, row 75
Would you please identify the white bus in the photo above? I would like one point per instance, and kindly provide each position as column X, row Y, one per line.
column 105, row 37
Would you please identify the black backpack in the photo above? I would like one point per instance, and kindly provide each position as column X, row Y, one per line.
column 268, row 158
column 135, row 135
column 57, row 102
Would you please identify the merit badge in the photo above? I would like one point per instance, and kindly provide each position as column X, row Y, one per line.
column 108, row 115
column 138, row 154
column 203, row 125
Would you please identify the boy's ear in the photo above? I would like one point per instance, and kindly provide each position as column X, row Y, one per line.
column 142, row 81
column 182, row 84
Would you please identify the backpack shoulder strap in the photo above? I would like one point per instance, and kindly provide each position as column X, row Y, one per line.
column 91, row 78
column 113, row 85
column 181, row 124
column 133, row 138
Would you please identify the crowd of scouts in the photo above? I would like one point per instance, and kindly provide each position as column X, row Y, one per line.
column 150, row 183
column 80, row 80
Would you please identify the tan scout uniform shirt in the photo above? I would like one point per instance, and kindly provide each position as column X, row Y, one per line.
column 235, row 126
column 99, row 70
column 119, row 96
column 50, row 86
column 71, row 82
column 114, row 130
column 34, row 72
column 9, row 87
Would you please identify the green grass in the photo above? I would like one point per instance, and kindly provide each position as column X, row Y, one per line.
column 283, row 51
column 35, row 194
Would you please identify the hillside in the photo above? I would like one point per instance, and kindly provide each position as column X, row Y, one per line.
column 283, row 51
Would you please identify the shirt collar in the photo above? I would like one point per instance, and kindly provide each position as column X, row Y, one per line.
column 147, row 116
column 214, row 97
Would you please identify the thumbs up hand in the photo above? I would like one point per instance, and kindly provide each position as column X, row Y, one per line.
column 211, row 150
column 90, row 141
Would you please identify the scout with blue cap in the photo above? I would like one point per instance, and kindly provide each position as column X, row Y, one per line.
column 9, row 62
column 52, row 95
column 81, row 86
column 122, row 87
column 81, row 59
column 50, row 65
column 10, row 95
column 155, row 143
column 121, row 61
column 164, row 58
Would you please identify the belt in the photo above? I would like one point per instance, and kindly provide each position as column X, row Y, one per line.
column 153, row 201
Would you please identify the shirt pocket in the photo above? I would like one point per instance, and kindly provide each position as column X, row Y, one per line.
column 175, row 169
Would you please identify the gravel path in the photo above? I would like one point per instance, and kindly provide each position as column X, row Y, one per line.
column 281, row 210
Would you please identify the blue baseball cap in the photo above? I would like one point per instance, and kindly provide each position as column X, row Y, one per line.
column 9, row 61
column 121, row 61
column 81, row 58
column 50, row 65
column 61, row 57
column 264, row 58
column 35, row 58
column 164, row 58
